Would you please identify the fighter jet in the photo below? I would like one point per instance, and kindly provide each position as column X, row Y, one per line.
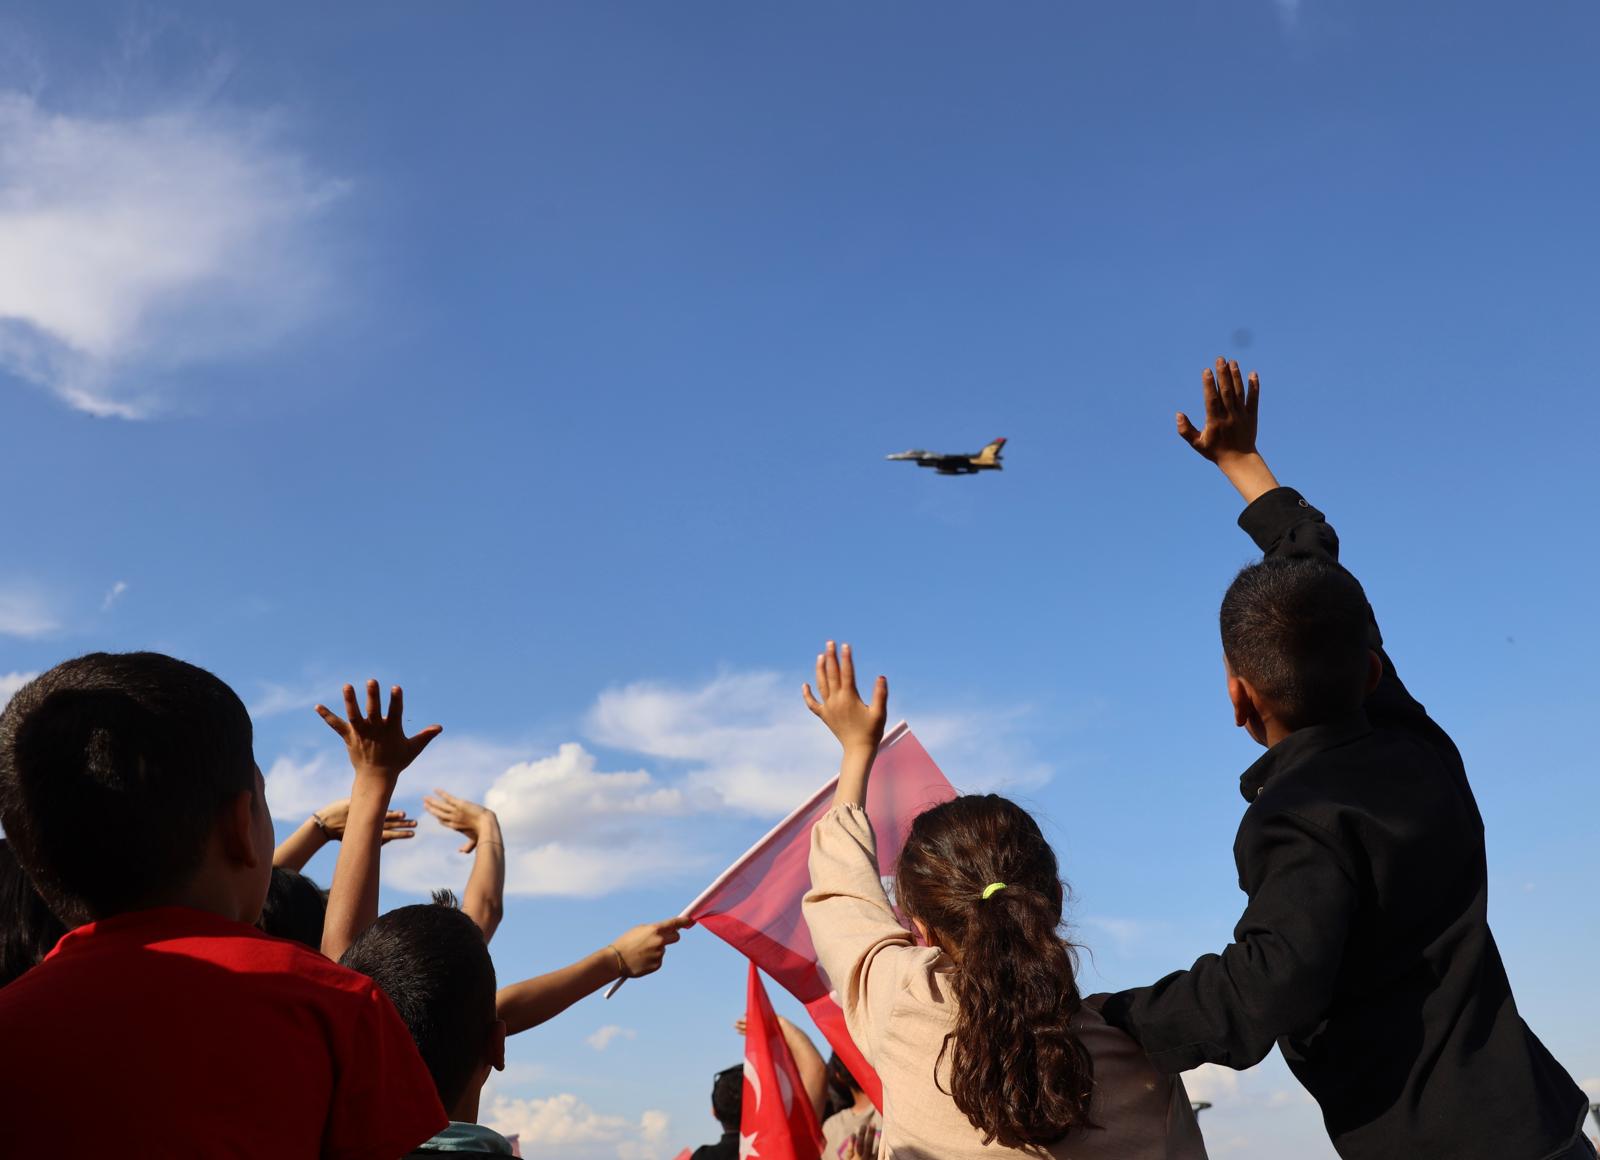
column 986, row 460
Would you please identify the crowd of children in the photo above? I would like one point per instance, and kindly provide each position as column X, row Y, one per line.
column 171, row 982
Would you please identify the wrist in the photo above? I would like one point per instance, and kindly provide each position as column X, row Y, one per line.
column 316, row 829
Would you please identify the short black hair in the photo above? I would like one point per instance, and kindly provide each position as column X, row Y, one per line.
column 842, row 1085
column 727, row 1097
column 296, row 908
column 1299, row 629
column 435, row 967
column 113, row 770
column 28, row 930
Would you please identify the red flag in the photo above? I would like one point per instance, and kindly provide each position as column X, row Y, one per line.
column 755, row 905
column 684, row 1155
column 776, row 1119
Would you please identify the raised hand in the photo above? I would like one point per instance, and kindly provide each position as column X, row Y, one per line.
column 862, row 1145
column 1229, row 438
column 857, row 725
column 1231, row 405
column 332, row 817
column 377, row 743
column 642, row 948
column 464, row 817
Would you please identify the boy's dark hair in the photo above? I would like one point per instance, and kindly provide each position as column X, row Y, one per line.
column 28, row 930
column 1299, row 630
column 113, row 770
column 296, row 908
column 727, row 1097
column 433, row 964
column 842, row 1086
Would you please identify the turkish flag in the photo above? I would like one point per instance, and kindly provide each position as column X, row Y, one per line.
column 776, row 1119
column 755, row 905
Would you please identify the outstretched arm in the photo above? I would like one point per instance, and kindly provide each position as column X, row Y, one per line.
column 484, row 900
column 638, row 952
column 858, row 726
column 379, row 752
column 1278, row 518
column 327, row 825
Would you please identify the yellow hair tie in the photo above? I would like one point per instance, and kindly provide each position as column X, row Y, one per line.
column 992, row 889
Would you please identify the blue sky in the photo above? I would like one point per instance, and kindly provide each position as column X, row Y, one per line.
column 543, row 359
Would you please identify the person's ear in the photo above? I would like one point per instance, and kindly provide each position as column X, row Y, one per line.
column 236, row 826
column 1374, row 671
column 922, row 932
column 497, row 1045
column 1247, row 713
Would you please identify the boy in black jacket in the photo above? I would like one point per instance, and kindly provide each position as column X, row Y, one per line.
column 1364, row 950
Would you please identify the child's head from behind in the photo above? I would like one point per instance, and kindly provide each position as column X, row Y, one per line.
column 1296, row 636
column 978, row 877
column 127, row 781
column 727, row 1097
column 296, row 908
column 433, row 964
column 27, row 928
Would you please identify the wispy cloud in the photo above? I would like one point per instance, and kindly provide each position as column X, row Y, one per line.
column 605, row 1036
column 1288, row 12
column 136, row 245
column 24, row 610
column 113, row 594
column 738, row 744
column 748, row 740
column 10, row 683
column 563, row 1125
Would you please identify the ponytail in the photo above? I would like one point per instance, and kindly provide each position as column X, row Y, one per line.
column 1017, row 1069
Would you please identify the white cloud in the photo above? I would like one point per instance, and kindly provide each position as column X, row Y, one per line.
column 135, row 245
column 113, row 594
column 1212, row 1083
column 23, row 610
column 570, row 829
column 1126, row 934
column 563, row 1125
column 752, row 745
column 560, row 796
column 10, row 683
column 295, row 788
column 576, row 830
column 1288, row 12
column 603, row 1038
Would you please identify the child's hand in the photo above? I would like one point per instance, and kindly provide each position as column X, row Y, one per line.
column 858, row 726
column 332, row 818
column 465, row 817
column 862, row 1145
column 378, row 745
column 1230, row 415
column 643, row 947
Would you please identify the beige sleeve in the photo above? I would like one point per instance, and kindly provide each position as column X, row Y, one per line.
column 862, row 947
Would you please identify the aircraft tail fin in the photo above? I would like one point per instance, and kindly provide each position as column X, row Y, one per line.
column 991, row 453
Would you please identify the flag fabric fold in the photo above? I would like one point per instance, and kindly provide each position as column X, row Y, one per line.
column 776, row 1119
column 754, row 905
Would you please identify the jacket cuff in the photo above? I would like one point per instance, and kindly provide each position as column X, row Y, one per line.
column 1271, row 515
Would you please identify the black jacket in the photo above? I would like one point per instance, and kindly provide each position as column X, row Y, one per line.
column 1365, row 950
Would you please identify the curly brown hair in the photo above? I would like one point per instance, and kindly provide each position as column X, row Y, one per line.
column 1017, row 1069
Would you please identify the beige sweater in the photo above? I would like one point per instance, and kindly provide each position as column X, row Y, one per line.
column 897, row 1004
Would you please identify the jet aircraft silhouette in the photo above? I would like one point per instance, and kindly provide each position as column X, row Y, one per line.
column 986, row 460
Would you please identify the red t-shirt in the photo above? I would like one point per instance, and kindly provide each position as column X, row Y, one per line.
column 175, row 1032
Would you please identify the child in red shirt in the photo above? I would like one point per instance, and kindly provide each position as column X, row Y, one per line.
column 164, row 1024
